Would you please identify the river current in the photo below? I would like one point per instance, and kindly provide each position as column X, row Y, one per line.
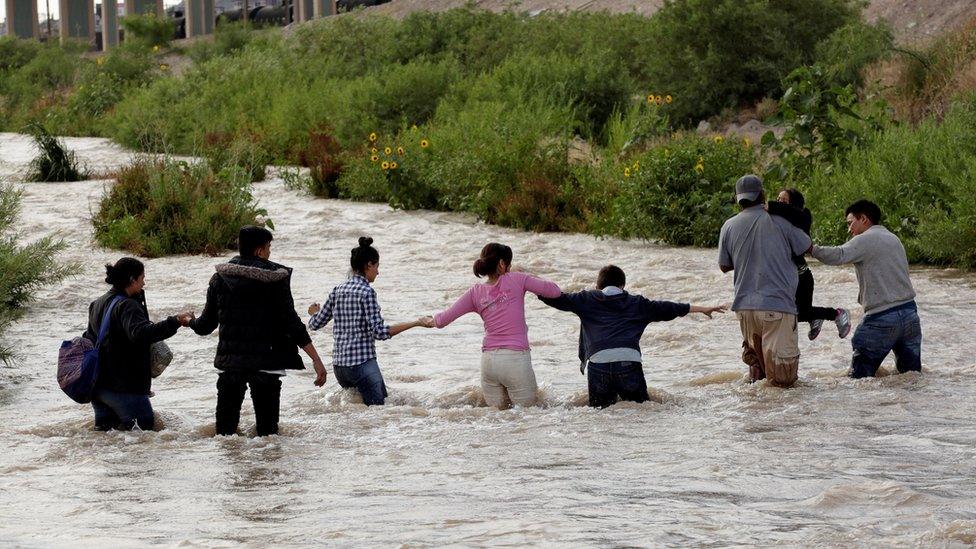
column 711, row 461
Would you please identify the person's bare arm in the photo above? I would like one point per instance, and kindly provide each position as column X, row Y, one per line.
column 320, row 373
column 424, row 321
column 707, row 311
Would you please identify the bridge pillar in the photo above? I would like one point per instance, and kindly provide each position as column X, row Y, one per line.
column 110, row 24
column 199, row 17
column 22, row 18
column 78, row 20
column 144, row 7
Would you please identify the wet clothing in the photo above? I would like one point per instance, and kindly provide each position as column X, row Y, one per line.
column 507, row 378
column 612, row 381
column 803, row 220
column 881, row 265
column 358, row 321
column 366, row 378
column 250, row 299
column 265, row 395
column 769, row 346
column 613, row 321
column 123, row 358
column 759, row 248
column 897, row 330
column 115, row 410
column 501, row 307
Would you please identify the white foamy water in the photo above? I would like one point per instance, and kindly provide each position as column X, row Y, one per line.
column 713, row 461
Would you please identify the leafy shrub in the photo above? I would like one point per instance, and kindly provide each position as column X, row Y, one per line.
column 229, row 38
column 322, row 157
column 165, row 207
column 148, row 30
column 679, row 192
column 23, row 268
column 922, row 178
column 845, row 53
column 54, row 161
column 242, row 151
column 715, row 54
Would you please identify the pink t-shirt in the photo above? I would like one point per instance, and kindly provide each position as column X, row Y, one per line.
column 502, row 308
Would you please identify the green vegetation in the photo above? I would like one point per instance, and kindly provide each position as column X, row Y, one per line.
column 23, row 268
column 54, row 161
column 164, row 207
column 574, row 121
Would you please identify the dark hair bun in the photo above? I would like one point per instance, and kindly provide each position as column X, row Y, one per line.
column 365, row 242
column 111, row 274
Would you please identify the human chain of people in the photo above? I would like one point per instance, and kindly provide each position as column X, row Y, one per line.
column 249, row 301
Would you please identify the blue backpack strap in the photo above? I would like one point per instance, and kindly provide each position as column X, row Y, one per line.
column 106, row 320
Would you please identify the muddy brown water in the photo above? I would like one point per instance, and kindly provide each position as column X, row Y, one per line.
column 711, row 461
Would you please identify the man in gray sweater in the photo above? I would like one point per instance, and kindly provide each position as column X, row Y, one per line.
column 885, row 291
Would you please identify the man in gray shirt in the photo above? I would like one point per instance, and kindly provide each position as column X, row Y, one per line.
column 759, row 248
column 885, row 291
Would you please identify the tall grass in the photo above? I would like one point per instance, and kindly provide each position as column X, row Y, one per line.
column 24, row 268
column 54, row 162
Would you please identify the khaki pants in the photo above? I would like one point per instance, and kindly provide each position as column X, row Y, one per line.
column 769, row 346
column 507, row 377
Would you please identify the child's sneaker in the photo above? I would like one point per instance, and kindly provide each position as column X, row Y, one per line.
column 843, row 322
column 815, row 326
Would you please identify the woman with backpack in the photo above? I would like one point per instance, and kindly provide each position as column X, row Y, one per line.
column 121, row 395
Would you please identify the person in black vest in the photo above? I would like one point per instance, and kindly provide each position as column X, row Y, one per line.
column 250, row 299
column 611, row 324
column 121, row 394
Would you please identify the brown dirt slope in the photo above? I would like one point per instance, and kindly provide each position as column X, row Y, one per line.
column 912, row 20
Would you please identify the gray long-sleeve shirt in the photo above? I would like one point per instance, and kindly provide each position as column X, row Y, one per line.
column 881, row 265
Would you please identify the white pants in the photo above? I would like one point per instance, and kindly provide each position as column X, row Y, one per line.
column 507, row 377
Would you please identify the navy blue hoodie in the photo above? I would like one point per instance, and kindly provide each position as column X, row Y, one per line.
column 612, row 321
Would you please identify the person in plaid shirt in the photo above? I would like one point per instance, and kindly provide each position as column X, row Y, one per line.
column 358, row 324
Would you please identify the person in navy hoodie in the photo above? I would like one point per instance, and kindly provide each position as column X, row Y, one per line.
column 611, row 324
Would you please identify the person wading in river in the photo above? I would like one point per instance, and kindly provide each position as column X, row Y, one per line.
column 250, row 299
column 885, row 291
column 358, row 324
column 759, row 248
column 790, row 205
column 611, row 324
column 506, row 364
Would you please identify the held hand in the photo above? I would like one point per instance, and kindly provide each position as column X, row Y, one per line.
column 320, row 373
column 185, row 318
column 426, row 322
column 314, row 308
column 707, row 311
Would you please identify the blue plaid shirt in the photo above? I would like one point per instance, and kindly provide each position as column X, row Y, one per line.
column 358, row 323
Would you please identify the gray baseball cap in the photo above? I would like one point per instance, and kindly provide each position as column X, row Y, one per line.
column 748, row 187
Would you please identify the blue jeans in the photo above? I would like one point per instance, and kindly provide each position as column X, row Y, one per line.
column 897, row 330
column 123, row 411
column 366, row 378
column 609, row 380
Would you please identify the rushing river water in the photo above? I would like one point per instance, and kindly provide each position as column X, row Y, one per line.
column 712, row 461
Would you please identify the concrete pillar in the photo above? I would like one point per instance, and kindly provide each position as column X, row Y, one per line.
column 304, row 10
column 78, row 20
column 199, row 17
column 144, row 7
column 323, row 8
column 22, row 18
column 110, row 24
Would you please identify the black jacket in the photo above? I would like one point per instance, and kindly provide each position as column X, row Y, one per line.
column 123, row 358
column 611, row 321
column 250, row 299
column 801, row 219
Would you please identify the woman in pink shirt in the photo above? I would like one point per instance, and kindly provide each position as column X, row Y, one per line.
column 506, row 366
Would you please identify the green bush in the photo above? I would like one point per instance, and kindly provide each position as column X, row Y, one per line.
column 679, row 192
column 921, row 177
column 165, row 207
column 224, row 151
column 851, row 48
column 148, row 30
column 23, row 268
column 716, row 54
column 54, row 161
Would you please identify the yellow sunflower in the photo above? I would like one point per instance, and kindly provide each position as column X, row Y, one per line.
column 393, row 165
column 387, row 151
column 400, row 151
column 424, row 143
column 626, row 172
column 668, row 99
column 374, row 158
column 372, row 137
column 385, row 165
